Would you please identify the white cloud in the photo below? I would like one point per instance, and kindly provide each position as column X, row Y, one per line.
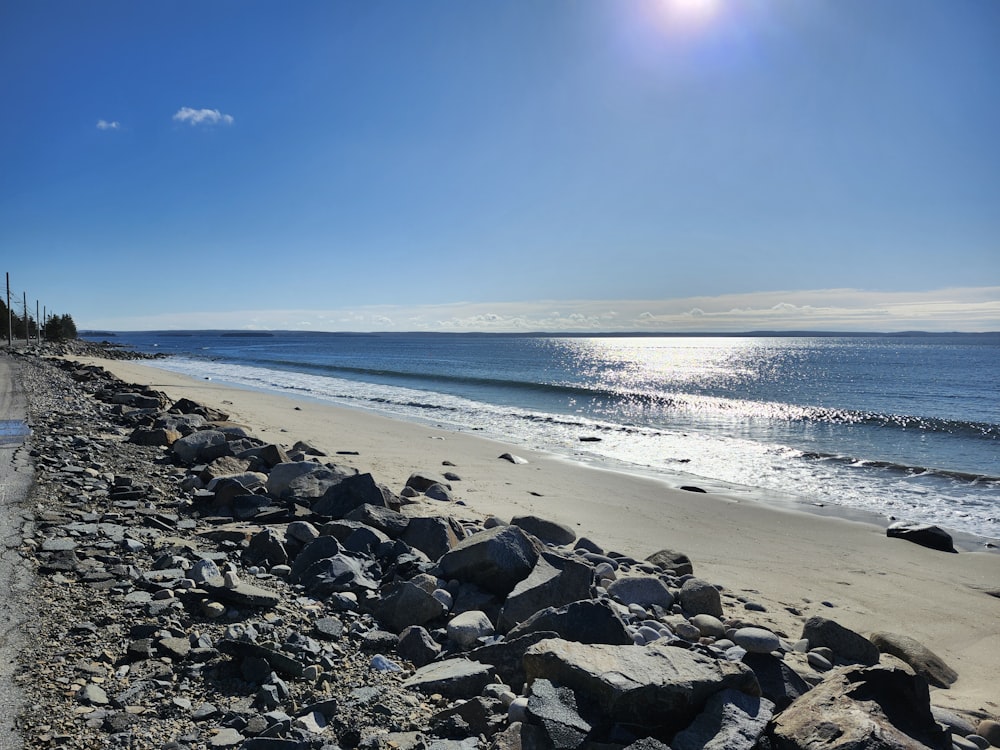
column 105, row 125
column 202, row 116
column 964, row 309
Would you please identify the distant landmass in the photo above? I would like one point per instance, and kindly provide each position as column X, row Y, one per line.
column 249, row 334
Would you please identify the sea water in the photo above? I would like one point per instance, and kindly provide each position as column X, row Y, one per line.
column 904, row 426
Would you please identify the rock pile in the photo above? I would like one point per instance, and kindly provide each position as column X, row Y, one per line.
column 200, row 587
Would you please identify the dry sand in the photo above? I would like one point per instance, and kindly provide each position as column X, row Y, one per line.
column 780, row 558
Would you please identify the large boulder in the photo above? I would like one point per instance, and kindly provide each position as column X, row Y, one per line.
column 845, row 643
column 353, row 492
column 645, row 591
column 586, row 621
column 861, row 708
column 432, row 535
column 199, row 445
column 674, row 563
column 496, row 559
column 660, row 687
column 700, row 597
column 452, row 678
column 924, row 662
column 732, row 720
column 407, row 604
column 554, row 582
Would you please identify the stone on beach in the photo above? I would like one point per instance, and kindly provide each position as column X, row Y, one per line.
column 548, row 531
column 923, row 661
column 924, row 534
column 496, row 559
column 845, row 643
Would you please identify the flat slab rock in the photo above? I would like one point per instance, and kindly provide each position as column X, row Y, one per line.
column 655, row 685
column 452, row 677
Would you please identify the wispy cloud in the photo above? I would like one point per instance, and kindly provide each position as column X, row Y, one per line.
column 105, row 125
column 202, row 117
column 964, row 309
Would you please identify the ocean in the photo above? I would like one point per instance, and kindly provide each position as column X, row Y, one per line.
column 904, row 426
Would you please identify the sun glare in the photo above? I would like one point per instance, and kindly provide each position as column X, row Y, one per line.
column 691, row 12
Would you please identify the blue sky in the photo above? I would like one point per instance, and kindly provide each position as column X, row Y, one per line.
column 573, row 164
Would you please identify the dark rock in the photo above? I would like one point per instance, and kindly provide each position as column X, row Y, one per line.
column 645, row 591
column 924, row 534
column 279, row 661
column 845, row 643
column 554, row 582
column 432, row 535
column 732, row 720
column 674, row 563
column 265, row 547
column 882, row 708
column 554, row 709
column 390, row 522
column 507, row 656
column 699, row 597
column 416, row 646
column 318, row 549
column 779, row 683
column 353, row 492
column 422, row 481
column 495, row 559
column 198, row 445
column 407, row 604
column 587, row 621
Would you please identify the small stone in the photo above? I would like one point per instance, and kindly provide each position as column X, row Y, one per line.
column 756, row 640
column 989, row 730
column 226, row 737
column 93, row 695
column 467, row 628
column 818, row 661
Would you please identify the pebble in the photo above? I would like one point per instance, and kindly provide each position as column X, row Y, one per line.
column 756, row 640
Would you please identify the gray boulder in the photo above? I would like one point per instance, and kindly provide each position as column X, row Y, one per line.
column 318, row 549
column 198, row 446
column 549, row 532
column 281, row 475
column 353, row 492
column 645, row 591
column 845, row 644
column 452, row 678
column 660, row 687
column 674, row 563
column 732, row 720
column 700, row 597
column 923, row 661
column 554, row 582
column 779, row 683
column 554, row 710
column 416, row 646
column 496, row 559
column 407, row 604
column 421, row 481
column 432, row 535
column 855, row 707
column 588, row 621
column 390, row 522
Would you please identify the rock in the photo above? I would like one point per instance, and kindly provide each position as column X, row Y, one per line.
column 645, row 591
column 226, row 737
column 390, row 522
column 732, row 720
column 467, row 628
column 674, row 563
column 700, row 597
column 328, row 628
column 924, row 534
column 407, row 604
column 439, row 492
column 244, row 594
column 155, row 436
column 507, row 656
column 845, row 643
column 924, row 661
column 878, row 707
column 496, row 559
column 554, row 582
column 353, row 492
column 709, row 625
column 198, row 445
column 265, row 547
column 756, row 640
column 453, row 678
column 93, row 695
column 431, row 535
column 779, row 683
column 416, row 646
column 587, row 621
column 549, row 532
column 278, row 660
column 422, row 481
column 513, row 459
column 656, row 686
column 319, row 549
column 554, row 710
column 989, row 730
column 281, row 476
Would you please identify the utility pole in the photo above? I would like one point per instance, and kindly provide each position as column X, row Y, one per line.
column 10, row 317
column 24, row 306
column 38, row 325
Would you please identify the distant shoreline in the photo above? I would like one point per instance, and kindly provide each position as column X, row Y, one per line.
column 551, row 334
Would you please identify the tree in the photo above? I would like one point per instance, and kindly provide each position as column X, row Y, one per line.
column 59, row 328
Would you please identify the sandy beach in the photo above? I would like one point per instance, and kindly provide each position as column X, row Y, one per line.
column 793, row 563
